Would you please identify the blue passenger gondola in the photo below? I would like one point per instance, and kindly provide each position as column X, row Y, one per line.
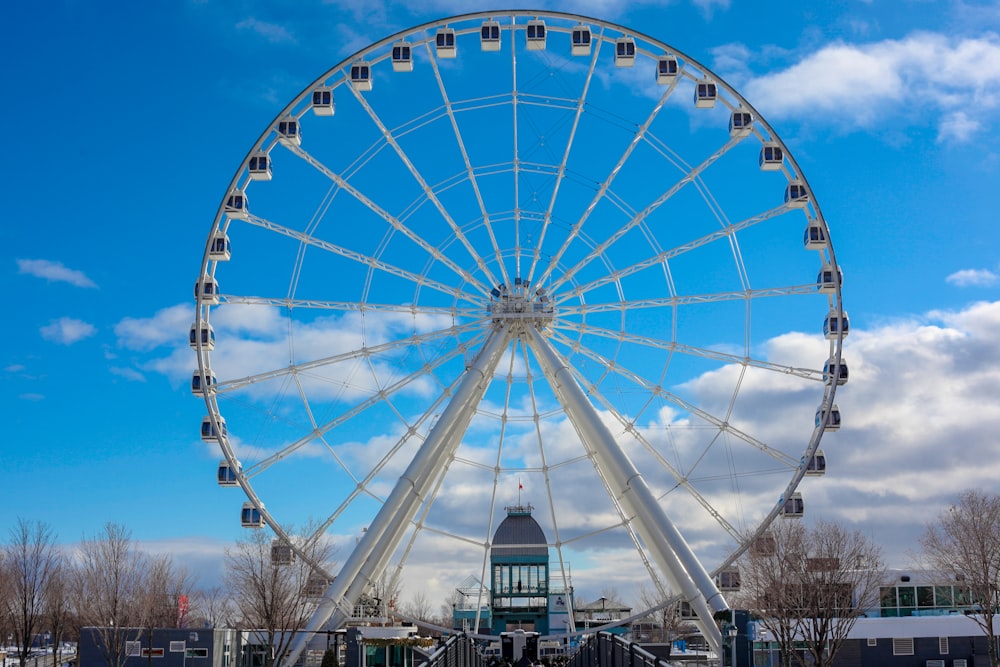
column 489, row 36
column 705, row 94
column 771, row 157
column 323, row 103
column 226, row 475
column 209, row 433
column 580, row 39
column 198, row 387
column 206, row 291
column 289, row 132
column 666, row 69
column 203, row 337
column 402, row 57
column 259, row 166
column 250, row 516
column 444, row 42
column 535, row 34
column 624, row 52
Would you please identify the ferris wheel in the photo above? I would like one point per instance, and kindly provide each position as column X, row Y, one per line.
column 519, row 256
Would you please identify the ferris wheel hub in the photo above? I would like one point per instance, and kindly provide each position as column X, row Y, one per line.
column 520, row 303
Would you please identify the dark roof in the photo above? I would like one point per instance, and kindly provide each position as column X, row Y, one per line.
column 517, row 529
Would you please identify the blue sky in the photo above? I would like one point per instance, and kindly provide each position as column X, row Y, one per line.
column 127, row 124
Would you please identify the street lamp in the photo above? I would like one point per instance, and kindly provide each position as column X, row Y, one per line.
column 733, row 631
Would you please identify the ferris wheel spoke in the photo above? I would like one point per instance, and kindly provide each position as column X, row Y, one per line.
column 602, row 247
column 375, row 399
column 352, row 306
column 670, row 397
column 683, row 300
column 581, row 104
column 361, row 258
column 428, row 190
column 394, row 222
column 363, row 485
column 365, row 352
column 516, row 153
column 601, row 191
column 540, row 442
column 692, row 350
column 471, row 173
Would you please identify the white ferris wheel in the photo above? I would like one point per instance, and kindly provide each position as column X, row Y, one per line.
column 520, row 252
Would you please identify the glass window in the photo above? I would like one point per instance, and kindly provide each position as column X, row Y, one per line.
column 907, row 596
column 888, row 597
column 925, row 594
column 943, row 597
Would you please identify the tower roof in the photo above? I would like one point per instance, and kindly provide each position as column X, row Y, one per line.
column 519, row 535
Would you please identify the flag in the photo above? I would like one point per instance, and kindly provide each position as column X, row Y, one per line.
column 520, row 486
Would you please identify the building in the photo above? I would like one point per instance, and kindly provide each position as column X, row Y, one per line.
column 164, row 647
column 521, row 595
column 922, row 618
column 602, row 612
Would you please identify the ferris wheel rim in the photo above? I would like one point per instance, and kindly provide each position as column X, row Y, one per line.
column 203, row 308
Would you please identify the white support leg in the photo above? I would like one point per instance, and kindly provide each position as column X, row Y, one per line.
column 372, row 552
column 668, row 547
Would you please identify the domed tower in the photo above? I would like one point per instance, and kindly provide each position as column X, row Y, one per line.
column 519, row 561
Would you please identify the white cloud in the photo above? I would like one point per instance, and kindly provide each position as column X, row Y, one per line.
column 272, row 32
column 31, row 397
column 919, row 424
column 15, row 368
column 54, row 272
column 974, row 278
column 957, row 126
column 168, row 326
column 128, row 374
column 67, row 330
column 948, row 79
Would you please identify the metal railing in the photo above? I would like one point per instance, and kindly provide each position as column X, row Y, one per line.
column 608, row 650
column 458, row 651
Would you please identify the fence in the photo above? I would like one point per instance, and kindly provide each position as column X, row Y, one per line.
column 458, row 651
column 608, row 650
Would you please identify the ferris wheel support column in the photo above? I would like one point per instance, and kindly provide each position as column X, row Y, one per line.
column 374, row 549
column 666, row 543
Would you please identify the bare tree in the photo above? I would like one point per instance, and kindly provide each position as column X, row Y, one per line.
column 810, row 586
column 165, row 586
column 965, row 543
column 59, row 611
column 667, row 623
column 30, row 559
column 5, row 597
column 109, row 583
column 455, row 600
column 159, row 604
column 419, row 607
column 215, row 607
column 273, row 594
